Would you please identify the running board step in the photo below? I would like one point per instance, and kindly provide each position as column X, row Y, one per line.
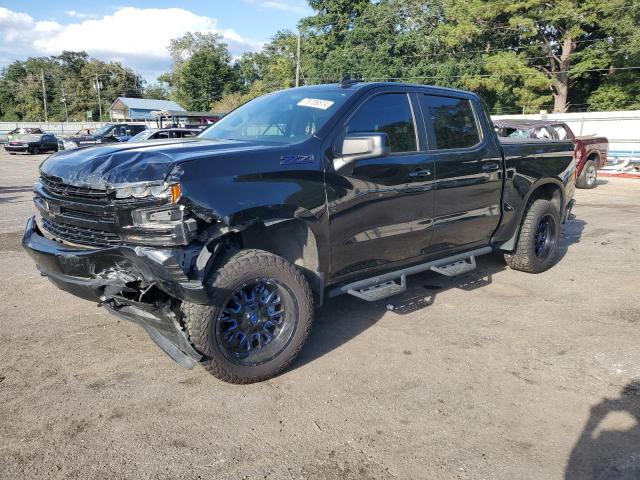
column 456, row 268
column 381, row 290
column 386, row 284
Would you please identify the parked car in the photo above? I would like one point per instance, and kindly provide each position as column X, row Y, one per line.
column 221, row 246
column 18, row 132
column 109, row 133
column 590, row 151
column 164, row 133
column 33, row 143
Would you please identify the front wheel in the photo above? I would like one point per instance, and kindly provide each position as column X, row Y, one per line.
column 259, row 318
column 538, row 241
column 589, row 175
column 35, row 150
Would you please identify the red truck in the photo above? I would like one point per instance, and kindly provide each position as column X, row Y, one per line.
column 590, row 151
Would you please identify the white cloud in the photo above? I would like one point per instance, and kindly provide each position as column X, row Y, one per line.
column 138, row 37
column 297, row 7
column 76, row 14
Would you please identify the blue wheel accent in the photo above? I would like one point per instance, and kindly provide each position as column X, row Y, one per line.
column 252, row 327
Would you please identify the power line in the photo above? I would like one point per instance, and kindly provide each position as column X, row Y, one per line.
column 522, row 74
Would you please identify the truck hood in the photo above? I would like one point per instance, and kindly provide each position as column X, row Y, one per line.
column 117, row 164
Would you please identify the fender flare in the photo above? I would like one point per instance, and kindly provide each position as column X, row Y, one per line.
column 510, row 244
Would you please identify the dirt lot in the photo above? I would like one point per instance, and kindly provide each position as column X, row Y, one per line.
column 500, row 374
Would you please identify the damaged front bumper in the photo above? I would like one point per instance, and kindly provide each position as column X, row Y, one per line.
column 119, row 277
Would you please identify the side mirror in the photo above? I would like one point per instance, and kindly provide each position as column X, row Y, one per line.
column 359, row 146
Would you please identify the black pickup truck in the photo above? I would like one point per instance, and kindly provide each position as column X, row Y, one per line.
column 221, row 246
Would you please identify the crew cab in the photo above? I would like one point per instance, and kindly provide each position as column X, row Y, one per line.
column 109, row 133
column 590, row 151
column 221, row 246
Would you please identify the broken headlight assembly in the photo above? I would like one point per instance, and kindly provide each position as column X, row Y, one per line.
column 165, row 224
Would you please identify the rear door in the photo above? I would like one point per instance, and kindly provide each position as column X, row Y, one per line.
column 468, row 172
column 381, row 209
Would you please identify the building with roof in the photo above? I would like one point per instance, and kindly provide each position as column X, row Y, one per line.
column 126, row 108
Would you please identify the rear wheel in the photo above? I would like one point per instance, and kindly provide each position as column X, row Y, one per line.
column 538, row 241
column 259, row 318
column 589, row 175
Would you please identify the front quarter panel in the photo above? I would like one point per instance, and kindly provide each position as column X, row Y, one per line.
column 245, row 188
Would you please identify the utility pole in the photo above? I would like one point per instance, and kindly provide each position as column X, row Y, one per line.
column 298, row 61
column 44, row 96
column 97, row 85
column 64, row 102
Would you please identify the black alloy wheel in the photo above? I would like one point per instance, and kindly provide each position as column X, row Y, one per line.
column 257, row 322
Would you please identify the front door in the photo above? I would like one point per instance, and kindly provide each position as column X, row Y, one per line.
column 381, row 209
column 468, row 173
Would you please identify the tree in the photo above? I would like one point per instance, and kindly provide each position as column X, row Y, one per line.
column 69, row 80
column 565, row 40
column 201, row 72
column 157, row 91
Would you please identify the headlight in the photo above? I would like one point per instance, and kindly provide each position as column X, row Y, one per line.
column 169, row 192
column 69, row 145
column 163, row 225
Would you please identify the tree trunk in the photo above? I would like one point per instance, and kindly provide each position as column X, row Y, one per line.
column 561, row 76
column 560, row 93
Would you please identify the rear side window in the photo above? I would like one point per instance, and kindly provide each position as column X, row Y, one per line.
column 388, row 113
column 454, row 124
column 561, row 131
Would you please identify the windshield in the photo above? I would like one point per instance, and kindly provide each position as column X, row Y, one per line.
column 141, row 136
column 102, row 130
column 288, row 116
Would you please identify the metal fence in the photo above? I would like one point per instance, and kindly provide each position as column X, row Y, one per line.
column 57, row 128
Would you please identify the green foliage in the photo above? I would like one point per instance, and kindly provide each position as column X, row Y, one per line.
column 68, row 78
column 201, row 73
column 519, row 55
column 157, row 91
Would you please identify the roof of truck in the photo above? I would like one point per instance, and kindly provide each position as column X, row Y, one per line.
column 358, row 85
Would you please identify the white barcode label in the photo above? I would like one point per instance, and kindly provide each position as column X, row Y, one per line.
column 315, row 103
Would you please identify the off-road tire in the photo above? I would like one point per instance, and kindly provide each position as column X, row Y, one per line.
column 524, row 257
column 233, row 270
column 586, row 180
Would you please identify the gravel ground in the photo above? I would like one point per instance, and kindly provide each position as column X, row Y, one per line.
column 498, row 374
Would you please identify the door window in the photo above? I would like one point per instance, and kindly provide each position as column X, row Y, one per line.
column 543, row 133
column 454, row 123
column 561, row 131
column 389, row 113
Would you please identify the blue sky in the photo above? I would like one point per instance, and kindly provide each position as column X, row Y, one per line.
column 136, row 33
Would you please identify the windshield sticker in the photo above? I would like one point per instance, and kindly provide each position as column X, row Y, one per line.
column 315, row 103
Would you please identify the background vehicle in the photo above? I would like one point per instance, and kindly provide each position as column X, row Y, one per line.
column 33, row 143
column 164, row 133
column 590, row 151
column 17, row 132
column 109, row 133
column 220, row 246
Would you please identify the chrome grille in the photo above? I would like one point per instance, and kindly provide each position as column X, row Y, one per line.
column 58, row 188
column 80, row 235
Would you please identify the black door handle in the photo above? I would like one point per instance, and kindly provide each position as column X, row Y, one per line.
column 420, row 173
column 490, row 166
